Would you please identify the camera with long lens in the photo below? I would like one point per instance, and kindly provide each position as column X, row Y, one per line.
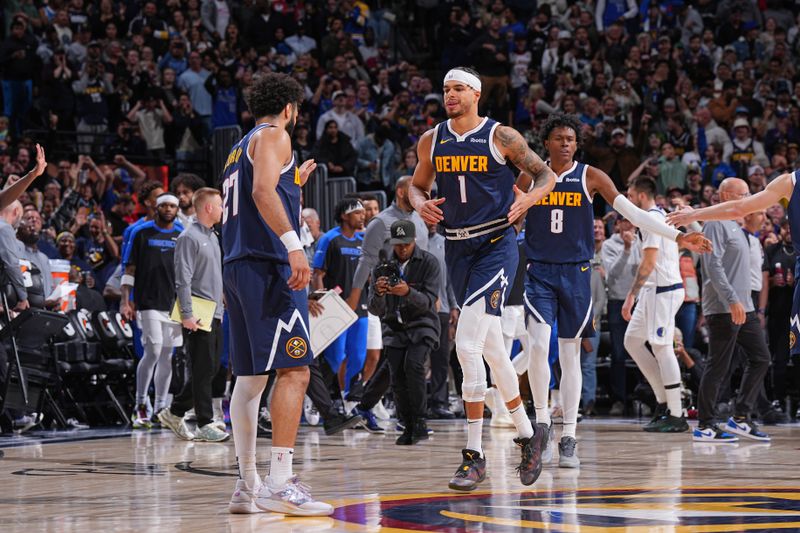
column 387, row 268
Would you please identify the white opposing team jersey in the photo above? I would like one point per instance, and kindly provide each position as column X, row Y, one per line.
column 667, row 270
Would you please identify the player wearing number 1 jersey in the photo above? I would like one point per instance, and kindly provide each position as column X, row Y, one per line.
column 466, row 156
column 559, row 243
column 265, row 277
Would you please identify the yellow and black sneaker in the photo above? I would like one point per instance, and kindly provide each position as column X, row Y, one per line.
column 471, row 472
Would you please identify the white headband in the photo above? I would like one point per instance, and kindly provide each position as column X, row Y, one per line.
column 352, row 208
column 167, row 198
column 470, row 80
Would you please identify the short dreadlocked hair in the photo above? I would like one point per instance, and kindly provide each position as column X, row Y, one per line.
column 270, row 94
column 561, row 120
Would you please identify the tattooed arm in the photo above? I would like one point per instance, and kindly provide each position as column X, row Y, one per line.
column 649, row 256
column 513, row 147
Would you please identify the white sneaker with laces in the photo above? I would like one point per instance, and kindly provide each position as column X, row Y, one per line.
column 293, row 498
column 243, row 499
column 176, row 424
column 210, row 433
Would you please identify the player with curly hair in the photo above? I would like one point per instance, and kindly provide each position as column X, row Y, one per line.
column 265, row 277
column 559, row 244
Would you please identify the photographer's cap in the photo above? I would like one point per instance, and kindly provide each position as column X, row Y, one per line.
column 403, row 232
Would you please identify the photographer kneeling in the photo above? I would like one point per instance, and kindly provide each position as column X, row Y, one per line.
column 404, row 292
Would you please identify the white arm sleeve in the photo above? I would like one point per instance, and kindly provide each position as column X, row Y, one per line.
column 642, row 220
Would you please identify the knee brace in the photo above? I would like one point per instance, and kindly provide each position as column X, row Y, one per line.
column 470, row 340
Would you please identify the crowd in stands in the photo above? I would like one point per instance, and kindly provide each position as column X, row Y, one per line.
column 686, row 92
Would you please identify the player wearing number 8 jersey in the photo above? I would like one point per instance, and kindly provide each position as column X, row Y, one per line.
column 559, row 243
column 265, row 277
column 477, row 203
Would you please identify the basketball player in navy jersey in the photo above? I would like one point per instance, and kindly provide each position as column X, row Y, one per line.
column 265, row 277
column 559, row 245
column 782, row 187
column 477, row 204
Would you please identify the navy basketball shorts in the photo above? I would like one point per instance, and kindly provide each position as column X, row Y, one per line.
column 560, row 292
column 268, row 321
column 794, row 331
column 483, row 267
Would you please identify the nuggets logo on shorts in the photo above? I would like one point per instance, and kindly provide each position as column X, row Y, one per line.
column 792, row 339
column 296, row 348
column 494, row 299
column 660, row 332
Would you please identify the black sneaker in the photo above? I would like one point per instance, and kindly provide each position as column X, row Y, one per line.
column 407, row 437
column 660, row 411
column 530, row 467
column 471, row 472
column 420, row 431
column 669, row 424
column 338, row 423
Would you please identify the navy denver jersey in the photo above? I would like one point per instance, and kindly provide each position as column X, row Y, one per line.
column 560, row 228
column 794, row 226
column 244, row 232
column 472, row 175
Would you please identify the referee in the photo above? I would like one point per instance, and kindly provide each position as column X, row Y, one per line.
column 198, row 272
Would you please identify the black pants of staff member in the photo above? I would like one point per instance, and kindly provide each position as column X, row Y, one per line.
column 724, row 337
column 319, row 391
column 378, row 384
column 440, row 363
column 407, row 366
column 203, row 351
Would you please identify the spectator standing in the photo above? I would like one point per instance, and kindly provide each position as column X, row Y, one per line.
column 184, row 186
column 489, row 53
column 411, row 328
column 347, row 121
column 151, row 117
column 193, row 82
column 732, row 320
column 188, row 131
column 198, row 272
column 92, row 90
column 18, row 62
column 671, row 170
column 746, row 150
column 30, row 232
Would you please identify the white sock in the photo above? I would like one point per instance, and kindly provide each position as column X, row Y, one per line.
column 648, row 365
column 521, row 421
column 475, row 435
column 539, row 368
column 670, row 376
column 244, row 415
column 216, row 404
column 280, row 466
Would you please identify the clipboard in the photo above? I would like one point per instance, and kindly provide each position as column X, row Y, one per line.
column 202, row 309
column 336, row 317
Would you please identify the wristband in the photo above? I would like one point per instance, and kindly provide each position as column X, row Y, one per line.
column 291, row 241
column 127, row 279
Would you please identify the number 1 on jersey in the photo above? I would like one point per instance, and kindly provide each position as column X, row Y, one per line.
column 556, row 221
column 462, row 183
column 230, row 187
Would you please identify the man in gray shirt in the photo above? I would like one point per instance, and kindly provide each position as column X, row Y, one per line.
column 198, row 272
column 620, row 256
column 11, row 250
column 732, row 320
column 29, row 233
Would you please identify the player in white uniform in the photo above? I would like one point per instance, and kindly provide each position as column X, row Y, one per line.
column 658, row 292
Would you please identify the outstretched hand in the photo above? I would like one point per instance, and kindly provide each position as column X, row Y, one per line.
column 306, row 169
column 694, row 242
column 41, row 162
column 522, row 202
column 430, row 211
column 681, row 217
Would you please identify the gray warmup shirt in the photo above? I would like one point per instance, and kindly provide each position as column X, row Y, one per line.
column 198, row 268
column 726, row 270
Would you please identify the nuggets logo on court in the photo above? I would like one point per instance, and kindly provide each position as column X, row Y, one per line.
column 608, row 510
column 296, row 348
column 494, row 299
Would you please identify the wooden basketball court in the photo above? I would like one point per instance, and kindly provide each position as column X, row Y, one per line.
column 118, row 480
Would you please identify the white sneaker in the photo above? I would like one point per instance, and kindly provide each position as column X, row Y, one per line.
column 189, row 416
column 310, row 412
column 176, row 424
column 219, row 424
column 380, row 411
column 293, row 498
column 209, row 433
column 243, row 499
